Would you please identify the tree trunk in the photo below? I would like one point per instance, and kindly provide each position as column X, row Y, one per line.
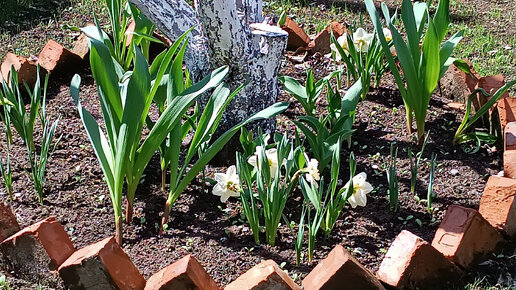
column 228, row 32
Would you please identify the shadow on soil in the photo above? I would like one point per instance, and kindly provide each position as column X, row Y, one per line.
column 19, row 15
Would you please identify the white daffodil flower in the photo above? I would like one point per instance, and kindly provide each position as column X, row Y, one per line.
column 312, row 170
column 360, row 190
column 343, row 42
column 387, row 33
column 227, row 185
column 272, row 158
column 362, row 39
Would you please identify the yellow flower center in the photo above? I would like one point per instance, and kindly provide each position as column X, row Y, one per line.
column 230, row 185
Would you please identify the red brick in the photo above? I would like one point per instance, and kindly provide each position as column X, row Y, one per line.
column 27, row 70
column 184, row 274
column 498, row 205
column 38, row 249
column 320, row 43
column 81, row 46
column 297, row 37
column 8, row 223
column 506, row 111
column 509, row 163
column 412, row 263
column 103, row 265
column 510, row 136
column 266, row 275
column 458, row 85
column 340, row 271
column 492, row 83
column 338, row 29
column 55, row 57
column 465, row 237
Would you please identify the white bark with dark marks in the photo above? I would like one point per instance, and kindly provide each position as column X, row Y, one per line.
column 229, row 32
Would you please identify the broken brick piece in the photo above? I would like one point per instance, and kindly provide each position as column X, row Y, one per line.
column 37, row 249
column 130, row 32
column 412, row 263
column 506, row 111
column 55, row 57
column 498, row 204
column 456, row 106
column 340, row 271
column 510, row 136
column 337, row 28
column 492, row 83
column 297, row 37
column 186, row 273
column 458, row 85
column 465, row 237
column 81, row 47
column 8, row 223
column 266, row 275
column 103, row 265
column 27, row 69
column 509, row 163
column 320, row 43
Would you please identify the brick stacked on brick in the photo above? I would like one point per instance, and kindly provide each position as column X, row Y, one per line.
column 509, row 163
column 412, row 263
column 340, row 271
column 510, row 136
column 506, row 111
column 27, row 69
column 8, row 223
column 498, row 204
column 509, row 154
column 103, row 265
column 37, row 249
column 266, row 275
column 184, row 274
column 56, row 58
column 465, row 237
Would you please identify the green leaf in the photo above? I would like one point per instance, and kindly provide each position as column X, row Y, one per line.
column 137, row 92
column 172, row 115
column 413, row 37
column 442, row 19
column 446, row 51
column 463, row 66
column 105, row 75
column 431, row 63
column 219, row 144
column 350, row 100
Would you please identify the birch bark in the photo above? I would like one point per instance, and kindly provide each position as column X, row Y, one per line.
column 228, row 32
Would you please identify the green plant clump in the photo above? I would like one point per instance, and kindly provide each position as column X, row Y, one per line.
column 24, row 123
column 423, row 57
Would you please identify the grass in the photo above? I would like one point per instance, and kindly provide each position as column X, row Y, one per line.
column 489, row 53
column 490, row 48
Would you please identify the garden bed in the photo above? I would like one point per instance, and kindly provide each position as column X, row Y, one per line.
column 217, row 233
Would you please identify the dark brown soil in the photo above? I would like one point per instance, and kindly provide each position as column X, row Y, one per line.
column 217, row 234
